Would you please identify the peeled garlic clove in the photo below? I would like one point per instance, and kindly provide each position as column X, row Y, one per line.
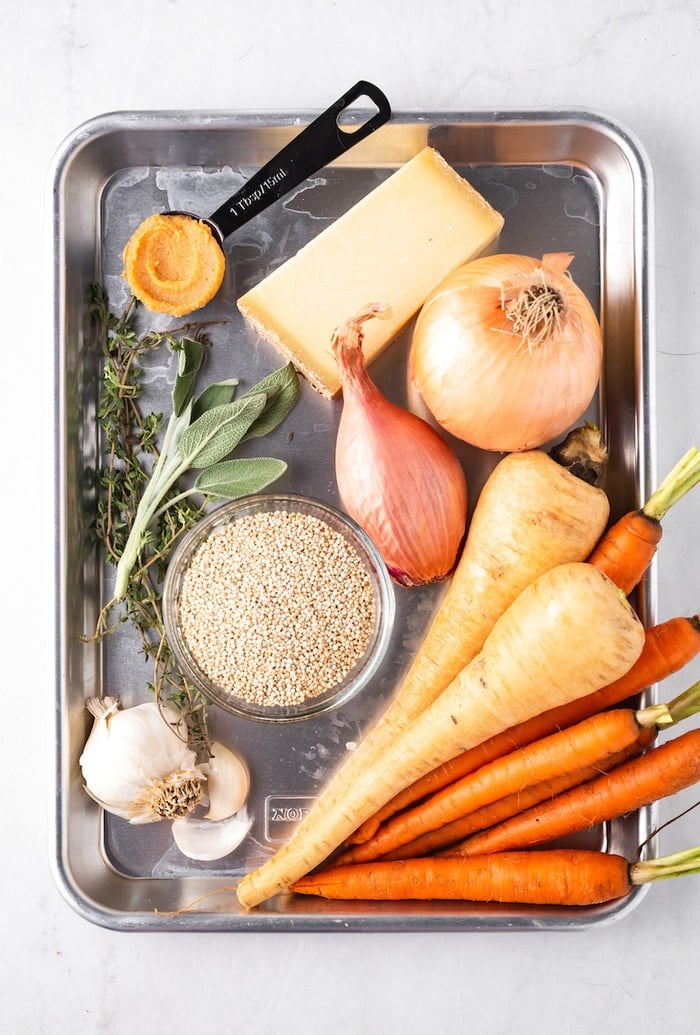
column 228, row 782
column 204, row 840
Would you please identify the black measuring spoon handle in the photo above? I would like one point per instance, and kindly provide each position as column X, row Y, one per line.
column 321, row 142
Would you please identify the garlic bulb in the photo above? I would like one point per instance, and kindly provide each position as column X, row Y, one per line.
column 136, row 766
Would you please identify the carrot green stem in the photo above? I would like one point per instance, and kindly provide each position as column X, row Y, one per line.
column 686, row 704
column 681, row 707
column 666, row 866
column 676, row 484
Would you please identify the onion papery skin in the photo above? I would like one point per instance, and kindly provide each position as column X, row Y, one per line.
column 483, row 381
column 397, row 477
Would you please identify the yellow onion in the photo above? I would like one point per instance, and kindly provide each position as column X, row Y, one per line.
column 396, row 476
column 507, row 351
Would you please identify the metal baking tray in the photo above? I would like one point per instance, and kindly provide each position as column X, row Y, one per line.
column 565, row 181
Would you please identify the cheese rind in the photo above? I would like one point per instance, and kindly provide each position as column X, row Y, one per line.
column 393, row 247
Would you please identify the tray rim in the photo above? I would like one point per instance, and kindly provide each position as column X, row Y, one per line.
column 192, row 120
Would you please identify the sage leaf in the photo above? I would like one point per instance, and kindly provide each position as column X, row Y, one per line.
column 189, row 360
column 231, row 479
column 219, row 430
column 217, row 394
column 282, row 388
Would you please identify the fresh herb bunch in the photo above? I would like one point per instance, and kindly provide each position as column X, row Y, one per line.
column 143, row 503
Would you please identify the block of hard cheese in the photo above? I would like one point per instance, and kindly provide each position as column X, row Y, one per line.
column 394, row 246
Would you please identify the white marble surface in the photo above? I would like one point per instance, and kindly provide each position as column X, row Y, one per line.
column 64, row 61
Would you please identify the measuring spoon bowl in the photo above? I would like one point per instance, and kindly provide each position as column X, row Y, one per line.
column 174, row 261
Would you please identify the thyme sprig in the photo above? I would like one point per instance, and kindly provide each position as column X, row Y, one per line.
column 143, row 503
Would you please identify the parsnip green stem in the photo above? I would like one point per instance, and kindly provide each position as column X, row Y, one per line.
column 676, row 484
column 583, row 453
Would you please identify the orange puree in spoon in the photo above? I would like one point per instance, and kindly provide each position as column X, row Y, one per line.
column 173, row 264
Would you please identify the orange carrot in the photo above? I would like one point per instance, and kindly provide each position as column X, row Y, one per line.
column 668, row 647
column 558, row 877
column 626, row 550
column 588, row 743
column 553, row 877
column 512, row 804
column 540, row 653
column 663, row 771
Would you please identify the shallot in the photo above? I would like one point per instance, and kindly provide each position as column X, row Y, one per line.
column 396, row 475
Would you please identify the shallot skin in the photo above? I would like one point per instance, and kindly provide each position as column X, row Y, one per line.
column 396, row 476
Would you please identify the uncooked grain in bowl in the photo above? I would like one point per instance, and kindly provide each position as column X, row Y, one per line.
column 276, row 607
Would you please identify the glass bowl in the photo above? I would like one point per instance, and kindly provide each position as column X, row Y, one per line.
column 279, row 636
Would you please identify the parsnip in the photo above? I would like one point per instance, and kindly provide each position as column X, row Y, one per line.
column 531, row 515
column 567, row 634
